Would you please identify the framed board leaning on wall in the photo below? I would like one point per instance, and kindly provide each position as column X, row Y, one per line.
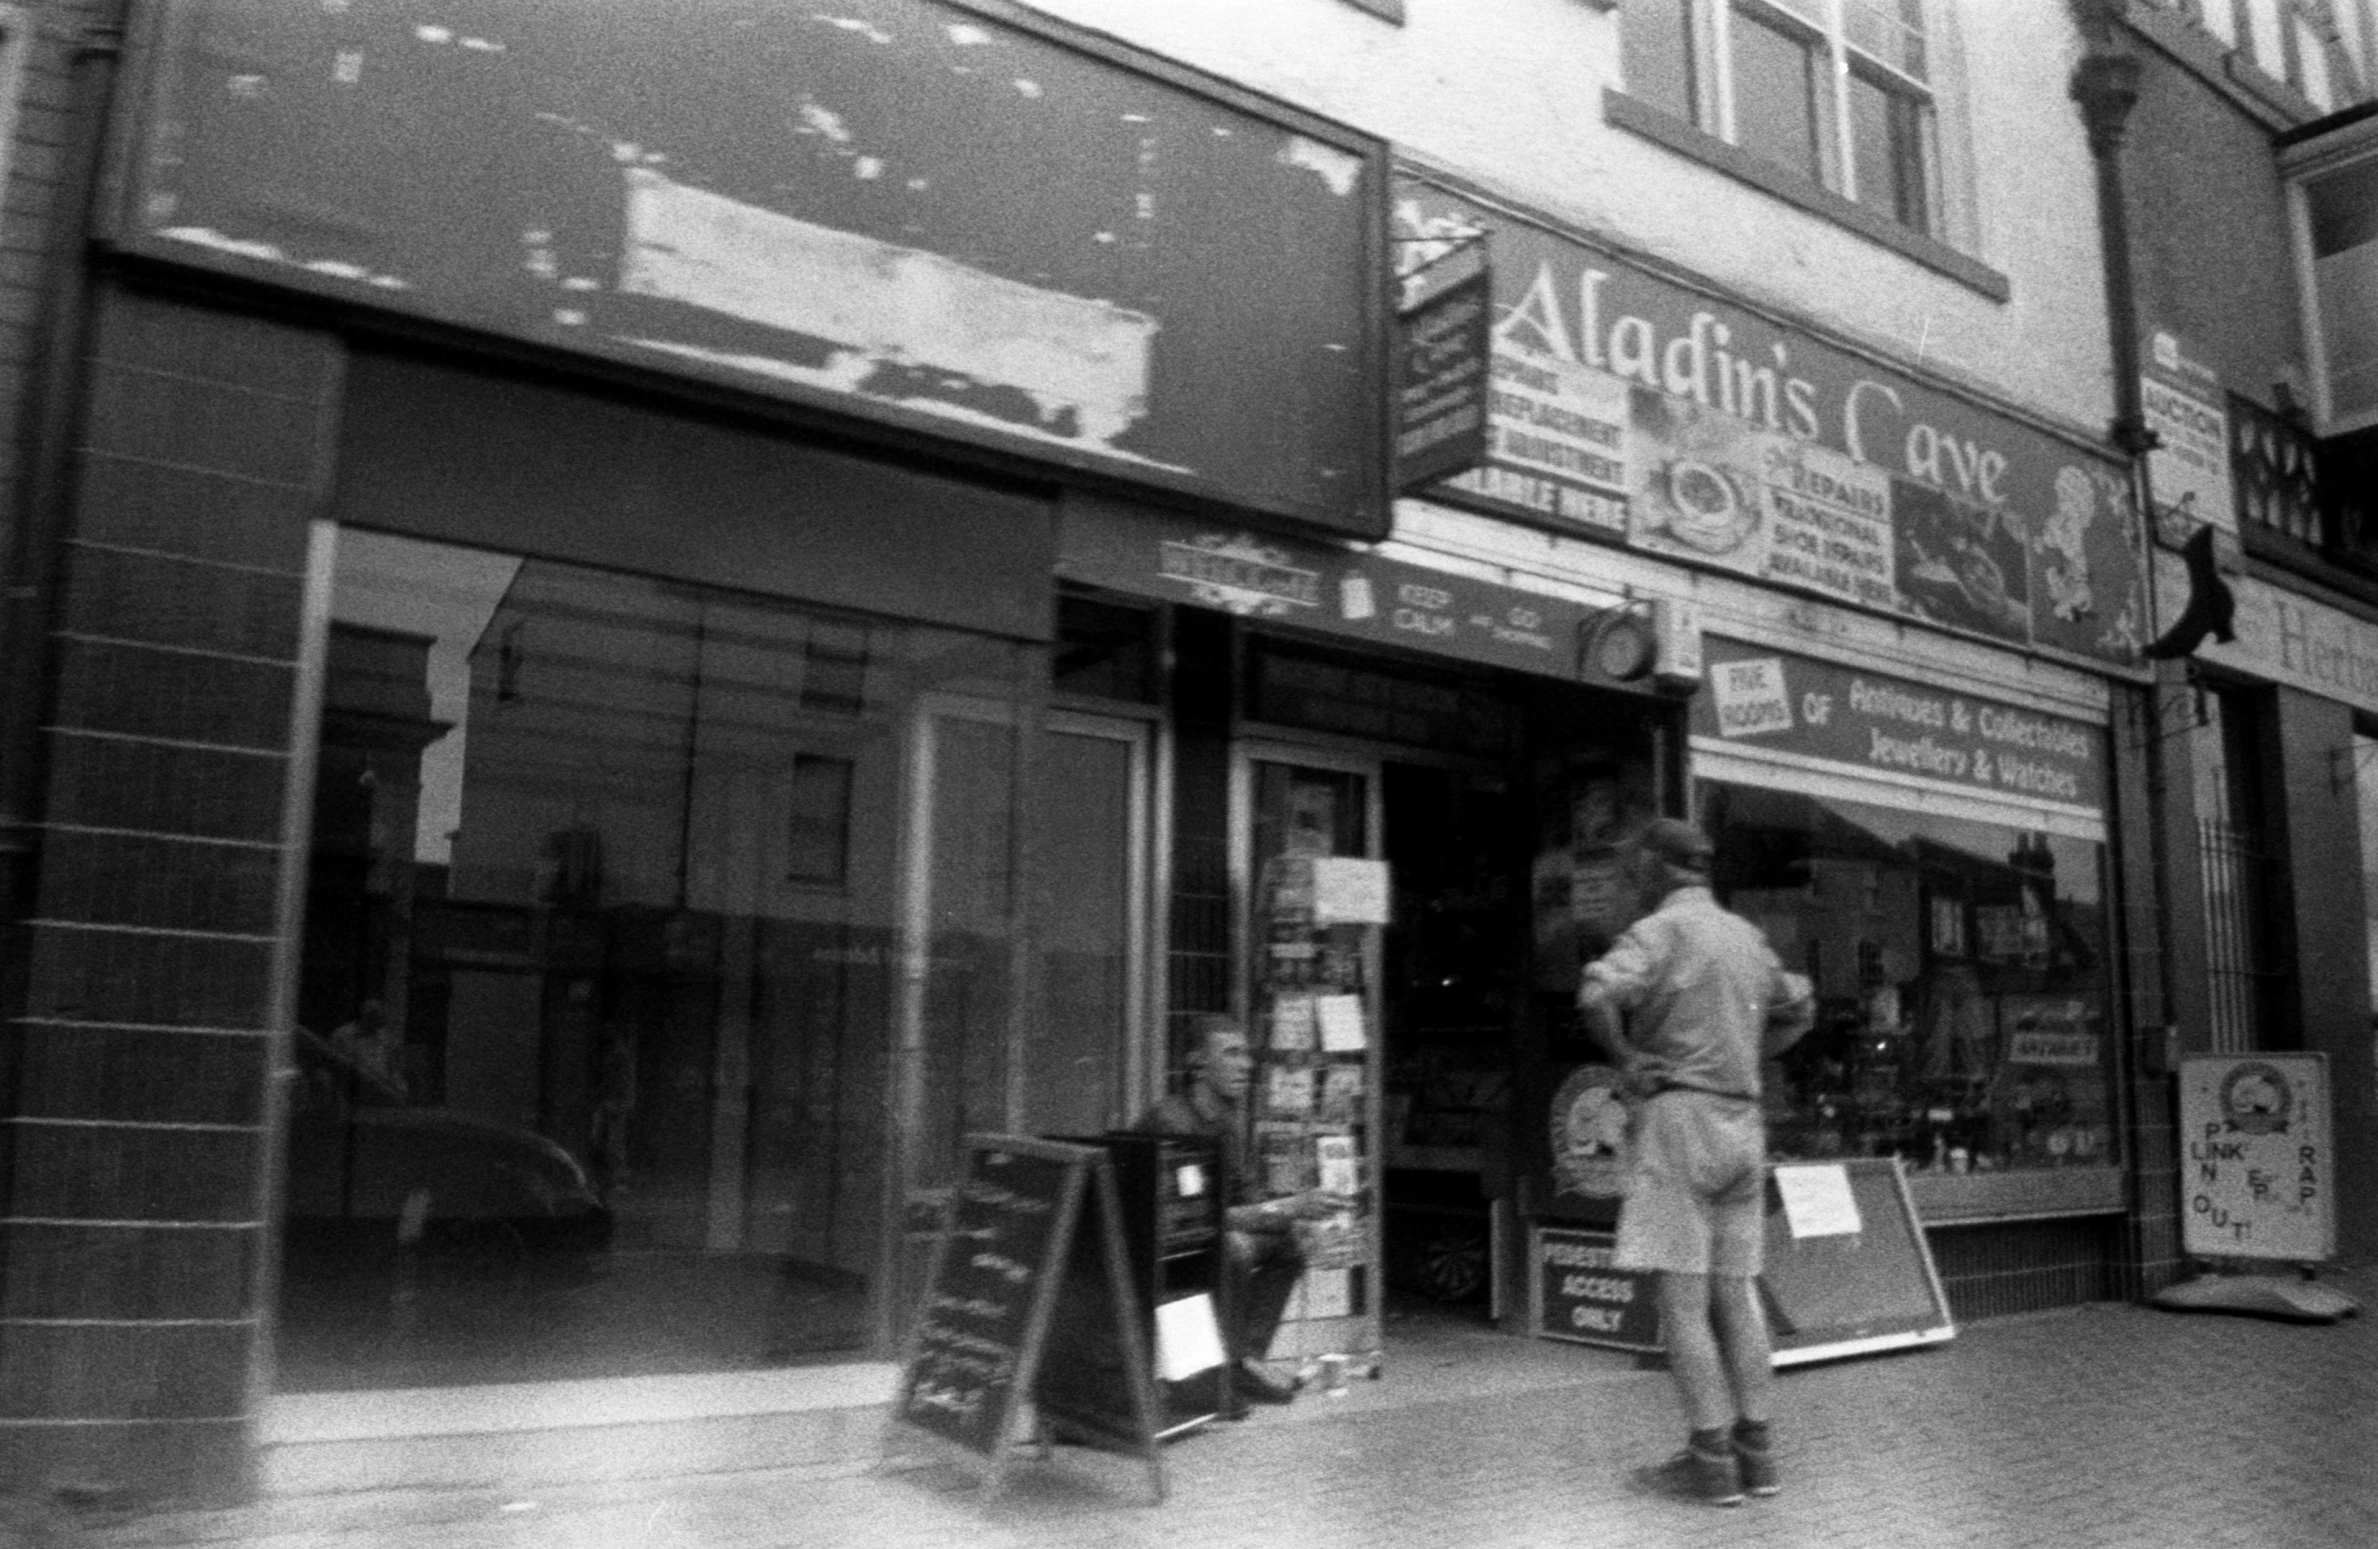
column 1848, row 1271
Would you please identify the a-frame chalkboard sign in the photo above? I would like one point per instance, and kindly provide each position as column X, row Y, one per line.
column 1028, row 1296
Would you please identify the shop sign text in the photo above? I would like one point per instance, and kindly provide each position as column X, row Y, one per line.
column 1582, row 1295
column 2284, row 637
column 1630, row 407
column 2188, row 470
column 1894, row 726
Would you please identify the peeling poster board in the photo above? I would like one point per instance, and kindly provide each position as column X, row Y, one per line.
column 903, row 209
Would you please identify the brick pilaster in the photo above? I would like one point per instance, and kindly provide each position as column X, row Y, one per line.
column 137, row 1133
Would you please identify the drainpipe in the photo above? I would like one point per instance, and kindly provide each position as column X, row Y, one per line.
column 2106, row 85
column 30, row 568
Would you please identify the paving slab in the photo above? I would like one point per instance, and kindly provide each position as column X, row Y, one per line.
column 2101, row 1427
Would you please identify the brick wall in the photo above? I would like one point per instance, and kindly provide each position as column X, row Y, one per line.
column 133, row 1262
column 32, row 171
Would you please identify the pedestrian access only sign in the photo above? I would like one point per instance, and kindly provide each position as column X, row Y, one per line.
column 2256, row 1162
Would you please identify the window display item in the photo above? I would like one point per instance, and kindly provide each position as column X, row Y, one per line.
column 1341, row 1021
column 1341, row 1093
column 1590, row 1121
column 1291, row 1019
column 1340, row 1169
column 1288, row 1089
column 1349, row 891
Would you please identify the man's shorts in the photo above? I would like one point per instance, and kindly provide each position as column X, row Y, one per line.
column 1695, row 1197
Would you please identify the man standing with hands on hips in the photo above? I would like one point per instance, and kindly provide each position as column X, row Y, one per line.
column 1689, row 1000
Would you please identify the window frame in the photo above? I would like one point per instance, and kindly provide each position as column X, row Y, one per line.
column 1679, row 116
column 2300, row 165
column 1822, row 29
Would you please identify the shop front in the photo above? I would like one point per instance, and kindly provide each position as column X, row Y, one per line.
column 1922, row 605
column 1375, row 758
column 601, row 529
column 1937, row 865
column 664, row 936
column 1936, row 860
column 2281, row 779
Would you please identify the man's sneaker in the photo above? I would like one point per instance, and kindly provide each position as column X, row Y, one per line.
column 1757, row 1465
column 1693, row 1475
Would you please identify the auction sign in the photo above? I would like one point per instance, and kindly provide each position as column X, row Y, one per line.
column 2188, row 468
column 1631, row 407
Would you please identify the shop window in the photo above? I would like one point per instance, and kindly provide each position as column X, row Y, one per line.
column 656, row 937
column 1961, row 971
column 2238, row 859
column 1841, row 96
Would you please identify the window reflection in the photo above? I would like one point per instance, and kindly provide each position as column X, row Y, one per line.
column 614, row 884
column 1961, row 973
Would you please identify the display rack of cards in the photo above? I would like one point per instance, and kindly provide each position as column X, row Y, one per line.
column 1316, row 1094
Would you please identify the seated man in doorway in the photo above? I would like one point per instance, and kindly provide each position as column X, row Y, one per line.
column 1260, row 1247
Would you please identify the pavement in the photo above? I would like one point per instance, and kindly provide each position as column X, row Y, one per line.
column 2099, row 1427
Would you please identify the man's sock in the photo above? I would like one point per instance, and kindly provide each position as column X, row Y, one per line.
column 1712, row 1443
column 1752, row 1434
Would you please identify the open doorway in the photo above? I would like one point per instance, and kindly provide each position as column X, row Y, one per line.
column 1456, row 963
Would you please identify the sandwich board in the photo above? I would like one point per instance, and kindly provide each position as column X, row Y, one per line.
column 1027, row 1298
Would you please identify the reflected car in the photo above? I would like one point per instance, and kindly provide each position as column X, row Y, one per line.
column 368, row 1169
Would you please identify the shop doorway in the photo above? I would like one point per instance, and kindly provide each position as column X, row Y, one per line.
column 1457, row 957
column 1085, row 1056
column 1022, row 958
column 1441, row 986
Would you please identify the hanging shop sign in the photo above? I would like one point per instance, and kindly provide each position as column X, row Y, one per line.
column 1628, row 407
column 1442, row 359
column 1346, row 592
column 2283, row 637
column 2188, row 469
column 1896, row 728
column 902, row 209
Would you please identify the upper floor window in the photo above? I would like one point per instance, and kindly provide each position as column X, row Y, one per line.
column 1839, row 91
column 2341, row 221
column 2322, row 48
column 2333, row 187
